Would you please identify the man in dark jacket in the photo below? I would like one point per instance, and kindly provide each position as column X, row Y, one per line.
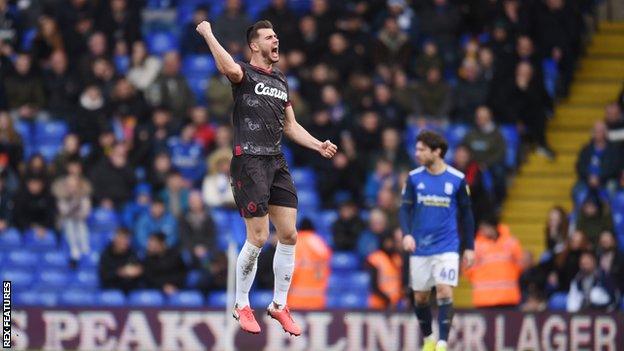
column 119, row 267
column 113, row 178
column 599, row 161
column 35, row 206
column 348, row 227
column 24, row 90
column 164, row 267
column 197, row 230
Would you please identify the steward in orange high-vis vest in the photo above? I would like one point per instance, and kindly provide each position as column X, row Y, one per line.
column 312, row 270
column 385, row 267
column 494, row 275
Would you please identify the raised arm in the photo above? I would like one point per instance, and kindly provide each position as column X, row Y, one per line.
column 225, row 63
column 295, row 132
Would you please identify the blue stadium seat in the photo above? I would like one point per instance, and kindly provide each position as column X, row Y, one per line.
column 558, row 301
column 345, row 261
column 55, row 259
column 198, row 65
column 49, row 150
column 161, row 42
column 455, row 133
column 45, row 242
column 77, row 297
column 217, row 299
column 86, row 279
column 35, row 298
column 324, row 224
column 159, row 4
column 304, row 178
column 550, row 71
column 122, row 64
column 21, row 278
column 27, row 38
column 90, row 261
column 103, row 220
column 349, row 281
column 22, row 258
column 146, row 298
column 52, row 279
column 300, row 6
column 261, row 298
column 617, row 208
column 308, row 199
column 193, row 278
column 359, row 281
column 349, row 300
column 10, row 238
column 512, row 143
column 189, row 298
column 198, row 85
column 111, row 298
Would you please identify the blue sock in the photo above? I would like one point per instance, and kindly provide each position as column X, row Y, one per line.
column 445, row 316
column 423, row 313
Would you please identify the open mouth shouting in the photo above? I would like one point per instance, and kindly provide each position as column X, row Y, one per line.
column 275, row 52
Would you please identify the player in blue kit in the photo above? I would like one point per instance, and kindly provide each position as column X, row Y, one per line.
column 435, row 200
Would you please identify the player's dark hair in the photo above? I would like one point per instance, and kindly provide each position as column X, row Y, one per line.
column 252, row 31
column 434, row 141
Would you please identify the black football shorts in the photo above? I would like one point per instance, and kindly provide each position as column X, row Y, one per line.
column 259, row 181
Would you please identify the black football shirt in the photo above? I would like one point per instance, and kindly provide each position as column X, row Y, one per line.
column 260, row 101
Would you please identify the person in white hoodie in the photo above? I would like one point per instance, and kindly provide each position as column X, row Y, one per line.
column 216, row 186
column 74, row 206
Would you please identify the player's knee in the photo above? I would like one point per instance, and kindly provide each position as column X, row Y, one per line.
column 257, row 236
column 444, row 292
column 289, row 237
column 421, row 298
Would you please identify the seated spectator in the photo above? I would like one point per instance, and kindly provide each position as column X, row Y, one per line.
column 393, row 150
column 197, row 230
column 91, row 119
column 6, row 205
column 37, row 168
column 171, row 89
column 74, row 206
column 610, row 260
column 377, row 228
column 156, row 220
column 382, row 177
column 204, row 131
column 143, row 68
column 127, row 107
column 340, row 56
column 24, row 90
column 70, row 151
column 11, row 144
column 388, row 201
column 428, row 59
column 151, row 138
column 119, row 267
column 482, row 202
column 434, row 98
column 566, row 264
column 133, row 210
column 216, row 188
column 312, row 270
column 348, row 227
column 385, row 268
column 164, row 268
column 62, row 86
column 175, row 195
column 556, row 230
column 614, row 119
column 599, row 162
column 441, row 23
column 113, row 177
column 497, row 268
column 187, row 155
column 231, row 25
column 592, row 288
column 533, row 284
column 334, row 104
column 35, row 206
column 160, row 169
column 594, row 218
column 405, row 92
column 219, row 97
column 470, row 93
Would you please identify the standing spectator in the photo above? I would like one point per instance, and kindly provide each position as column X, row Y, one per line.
column 204, row 131
column 197, row 231
column 594, row 218
column 175, row 195
column 144, row 68
column 348, row 227
column 433, row 100
column 171, row 89
column 556, row 230
column 24, row 90
column 35, row 206
column 385, row 269
column 120, row 22
column 113, row 177
column 231, row 25
column 216, row 186
column 494, row 275
column 312, row 270
column 62, row 87
column 339, row 55
column 377, row 229
column 157, row 220
column 74, row 206
column 164, row 268
column 119, row 267
column 482, row 202
column 592, row 288
column 187, row 155
column 610, row 260
column 599, row 161
column 10, row 141
column 392, row 46
column 470, row 93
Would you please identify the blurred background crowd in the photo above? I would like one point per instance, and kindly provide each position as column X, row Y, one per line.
column 115, row 144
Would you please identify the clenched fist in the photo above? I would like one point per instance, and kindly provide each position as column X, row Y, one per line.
column 328, row 149
column 204, row 28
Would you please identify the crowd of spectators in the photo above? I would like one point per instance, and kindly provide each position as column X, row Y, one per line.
column 150, row 152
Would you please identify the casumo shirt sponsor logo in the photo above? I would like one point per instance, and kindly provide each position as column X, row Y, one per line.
column 434, row 200
column 262, row 89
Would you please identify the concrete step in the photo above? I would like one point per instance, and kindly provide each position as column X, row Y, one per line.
column 609, row 43
column 611, row 27
column 600, row 68
column 595, row 92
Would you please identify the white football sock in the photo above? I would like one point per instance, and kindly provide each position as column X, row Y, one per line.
column 283, row 267
column 246, row 266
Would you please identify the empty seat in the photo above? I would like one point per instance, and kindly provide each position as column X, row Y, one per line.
column 190, row 298
column 455, row 133
column 161, row 42
column 558, row 301
column 198, row 65
column 146, row 298
column 261, row 298
column 359, row 281
column 349, row 281
column 198, row 85
column 217, row 299
column 304, row 177
column 308, row 199
column 348, row 300
column 21, row 278
column 44, row 242
column 111, row 298
column 103, row 220
column 22, row 258
column 193, row 278
column 55, row 259
column 345, row 261
column 35, row 298
column 77, row 297
column 10, row 238
column 86, row 278
column 52, row 279
column 49, row 150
